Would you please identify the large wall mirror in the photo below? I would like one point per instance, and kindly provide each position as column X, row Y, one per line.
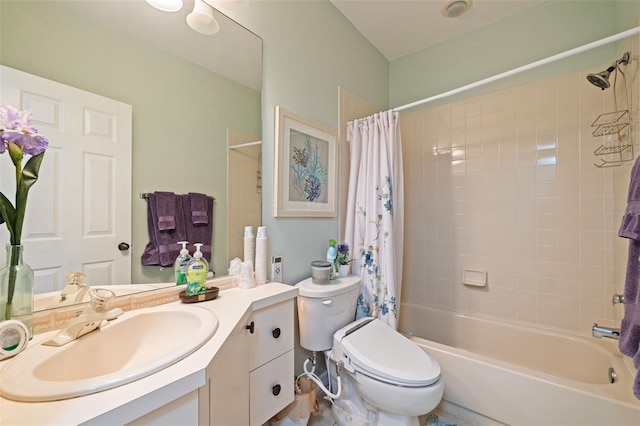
column 192, row 96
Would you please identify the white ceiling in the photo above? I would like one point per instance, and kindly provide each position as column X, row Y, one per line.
column 400, row 27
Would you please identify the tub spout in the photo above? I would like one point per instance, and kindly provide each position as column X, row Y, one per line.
column 599, row 332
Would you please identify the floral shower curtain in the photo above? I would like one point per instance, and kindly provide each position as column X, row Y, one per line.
column 375, row 213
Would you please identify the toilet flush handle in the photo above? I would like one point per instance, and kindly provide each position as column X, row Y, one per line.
column 327, row 302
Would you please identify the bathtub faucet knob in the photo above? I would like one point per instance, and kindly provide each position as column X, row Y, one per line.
column 617, row 298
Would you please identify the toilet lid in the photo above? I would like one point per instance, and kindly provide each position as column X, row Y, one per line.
column 381, row 352
column 308, row 288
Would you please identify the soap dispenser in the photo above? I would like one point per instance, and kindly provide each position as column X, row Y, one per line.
column 197, row 273
column 181, row 264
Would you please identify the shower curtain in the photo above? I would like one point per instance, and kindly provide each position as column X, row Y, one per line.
column 375, row 214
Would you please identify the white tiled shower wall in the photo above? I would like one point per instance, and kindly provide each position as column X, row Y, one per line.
column 505, row 182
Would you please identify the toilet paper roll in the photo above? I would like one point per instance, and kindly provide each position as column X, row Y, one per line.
column 14, row 337
column 262, row 252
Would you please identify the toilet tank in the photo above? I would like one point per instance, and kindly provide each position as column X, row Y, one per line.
column 325, row 308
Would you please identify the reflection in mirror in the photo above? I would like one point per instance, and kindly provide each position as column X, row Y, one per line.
column 244, row 189
column 192, row 96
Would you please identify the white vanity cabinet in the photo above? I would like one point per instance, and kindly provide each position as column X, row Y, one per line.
column 251, row 378
column 271, row 363
column 236, row 378
column 182, row 411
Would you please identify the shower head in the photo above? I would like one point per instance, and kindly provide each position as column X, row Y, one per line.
column 601, row 79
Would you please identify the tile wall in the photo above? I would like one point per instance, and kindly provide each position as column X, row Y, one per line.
column 506, row 182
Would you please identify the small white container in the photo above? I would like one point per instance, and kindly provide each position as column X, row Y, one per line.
column 344, row 270
column 320, row 271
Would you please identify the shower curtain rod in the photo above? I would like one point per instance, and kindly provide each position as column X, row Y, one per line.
column 571, row 52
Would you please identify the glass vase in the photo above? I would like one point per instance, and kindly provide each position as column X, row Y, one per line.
column 16, row 288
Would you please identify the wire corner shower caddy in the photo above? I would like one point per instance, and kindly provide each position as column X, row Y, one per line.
column 619, row 148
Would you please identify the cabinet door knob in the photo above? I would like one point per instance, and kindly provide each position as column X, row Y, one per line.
column 276, row 333
column 276, row 390
column 250, row 327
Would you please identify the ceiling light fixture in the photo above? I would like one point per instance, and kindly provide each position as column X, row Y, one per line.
column 455, row 8
column 201, row 19
column 166, row 5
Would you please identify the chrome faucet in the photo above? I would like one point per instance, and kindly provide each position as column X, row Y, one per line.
column 89, row 320
column 599, row 332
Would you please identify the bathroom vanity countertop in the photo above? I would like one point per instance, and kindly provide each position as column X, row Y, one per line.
column 125, row 403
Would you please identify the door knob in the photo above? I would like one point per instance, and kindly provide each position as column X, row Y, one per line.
column 276, row 333
column 123, row 246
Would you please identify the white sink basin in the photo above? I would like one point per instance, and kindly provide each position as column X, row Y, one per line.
column 135, row 345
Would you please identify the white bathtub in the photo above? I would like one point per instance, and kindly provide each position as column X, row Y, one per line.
column 496, row 372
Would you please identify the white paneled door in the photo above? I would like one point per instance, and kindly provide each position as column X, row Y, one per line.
column 79, row 211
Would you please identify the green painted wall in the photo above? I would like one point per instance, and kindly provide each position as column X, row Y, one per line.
column 180, row 111
column 309, row 50
column 547, row 29
column 626, row 14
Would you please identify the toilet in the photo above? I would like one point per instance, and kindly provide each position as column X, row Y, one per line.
column 386, row 378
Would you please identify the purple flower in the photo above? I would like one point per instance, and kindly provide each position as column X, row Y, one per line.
column 18, row 136
column 12, row 117
column 18, row 129
column 343, row 254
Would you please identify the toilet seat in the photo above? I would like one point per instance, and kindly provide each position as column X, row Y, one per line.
column 376, row 350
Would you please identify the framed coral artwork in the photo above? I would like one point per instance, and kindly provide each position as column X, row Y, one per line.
column 305, row 167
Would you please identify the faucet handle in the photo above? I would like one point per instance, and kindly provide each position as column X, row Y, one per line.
column 100, row 297
column 617, row 298
column 75, row 278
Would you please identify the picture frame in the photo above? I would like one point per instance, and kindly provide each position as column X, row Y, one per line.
column 305, row 167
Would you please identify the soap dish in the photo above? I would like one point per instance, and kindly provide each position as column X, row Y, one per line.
column 210, row 294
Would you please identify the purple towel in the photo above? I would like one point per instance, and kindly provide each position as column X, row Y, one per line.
column 629, row 343
column 163, row 248
column 198, row 209
column 166, row 208
column 199, row 233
